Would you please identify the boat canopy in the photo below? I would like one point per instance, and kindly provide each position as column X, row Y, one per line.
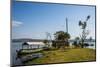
column 35, row 43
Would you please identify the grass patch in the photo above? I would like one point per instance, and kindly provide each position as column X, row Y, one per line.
column 69, row 55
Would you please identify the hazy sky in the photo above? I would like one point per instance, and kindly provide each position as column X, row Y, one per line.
column 33, row 20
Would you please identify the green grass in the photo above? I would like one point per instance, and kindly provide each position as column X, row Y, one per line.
column 69, row 55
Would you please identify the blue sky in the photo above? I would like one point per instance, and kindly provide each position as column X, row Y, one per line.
column 33, row 20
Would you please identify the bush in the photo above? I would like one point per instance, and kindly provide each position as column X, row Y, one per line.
column 54, row 44
column 75, row 44
column 91, row 44
column 45, row 48
column 86, row 44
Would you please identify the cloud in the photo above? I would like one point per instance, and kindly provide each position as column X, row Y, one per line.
column 16, row 23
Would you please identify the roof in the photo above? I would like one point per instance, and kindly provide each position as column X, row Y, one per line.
column 25, row 43
column 35, row 43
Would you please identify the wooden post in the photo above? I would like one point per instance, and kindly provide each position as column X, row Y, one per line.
column 38, row 46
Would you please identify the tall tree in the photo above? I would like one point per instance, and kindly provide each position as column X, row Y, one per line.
column 84, row 32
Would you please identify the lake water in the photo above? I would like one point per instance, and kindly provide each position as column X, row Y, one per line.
column 14, row 47
column 18, row 45
column 92, row 47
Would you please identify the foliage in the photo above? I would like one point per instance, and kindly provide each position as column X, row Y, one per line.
column 46, row 42
column 86, row 44
column 84, row 32
column 75, row 44
column 77, row 38
column 61, row 35
column 90, row 39
column 61, row 39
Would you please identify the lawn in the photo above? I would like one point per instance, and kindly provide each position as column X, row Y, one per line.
column 68, row 55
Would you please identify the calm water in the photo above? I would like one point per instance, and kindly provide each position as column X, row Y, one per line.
column 14, row 47
column 92, row 47
column 18, row 45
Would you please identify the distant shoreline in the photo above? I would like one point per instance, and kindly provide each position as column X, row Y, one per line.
column 41, row 40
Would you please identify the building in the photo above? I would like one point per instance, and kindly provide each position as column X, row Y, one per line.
column 32, row 45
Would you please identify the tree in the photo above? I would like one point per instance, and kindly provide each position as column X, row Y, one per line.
column 84, row 32
column 54, row 44
column 90, row 39
column 46, row 42
column 76, row 42
column 61, row 37
column 77, row 38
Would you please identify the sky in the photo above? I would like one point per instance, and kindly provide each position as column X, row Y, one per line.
column 34, row 20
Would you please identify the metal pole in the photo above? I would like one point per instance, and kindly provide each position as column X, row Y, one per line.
column 66, row 25
column 67, row 28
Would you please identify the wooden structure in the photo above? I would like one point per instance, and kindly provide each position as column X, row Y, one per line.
column 32, row 45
